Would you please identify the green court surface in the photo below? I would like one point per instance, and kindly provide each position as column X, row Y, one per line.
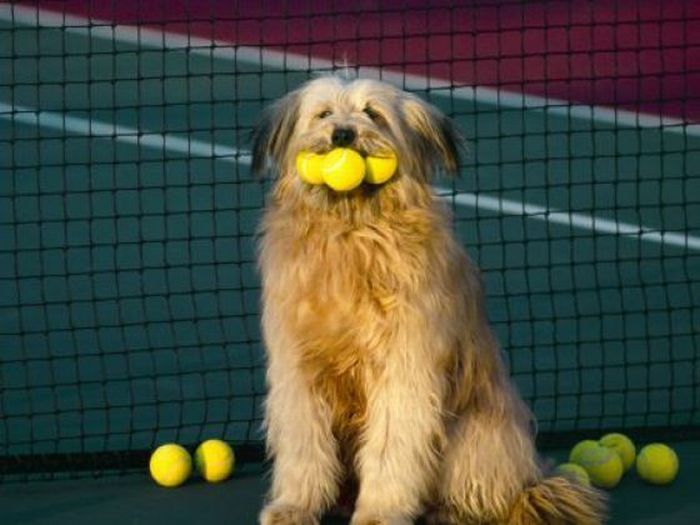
column 122, row 251
column 129, row 295
column 135, row 500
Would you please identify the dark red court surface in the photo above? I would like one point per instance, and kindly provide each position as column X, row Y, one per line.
column 642, row 56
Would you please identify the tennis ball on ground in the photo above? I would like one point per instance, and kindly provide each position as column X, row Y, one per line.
column 623, row 446
column 214, row 460
column 380, row 168
column 574, row 472
column 309, row 167
column 581, row 447
column 657, row 464
column 603, row 466
column 343, row 169
column 170, row 465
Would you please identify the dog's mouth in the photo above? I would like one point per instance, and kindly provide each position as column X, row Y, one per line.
column 362, row 147
column 344, row 169
column 325, row 149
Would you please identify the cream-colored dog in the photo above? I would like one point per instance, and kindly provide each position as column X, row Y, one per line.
column 384, row 377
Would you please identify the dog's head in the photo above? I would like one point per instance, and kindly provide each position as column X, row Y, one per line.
column 365, row 115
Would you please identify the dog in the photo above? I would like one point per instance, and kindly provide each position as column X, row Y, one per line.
column 383, row 374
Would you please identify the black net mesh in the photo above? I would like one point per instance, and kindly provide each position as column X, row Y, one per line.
column 128, row 289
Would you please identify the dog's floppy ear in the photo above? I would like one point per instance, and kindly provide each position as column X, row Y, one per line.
column 273, row 131
column 439, row 141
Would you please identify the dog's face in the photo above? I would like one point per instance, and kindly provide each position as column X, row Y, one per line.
column 368, row 116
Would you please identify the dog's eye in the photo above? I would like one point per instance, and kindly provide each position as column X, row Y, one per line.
column 371, row 113
column 324, row 114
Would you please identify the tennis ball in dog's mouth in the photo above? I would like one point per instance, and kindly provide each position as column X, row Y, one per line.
column 309, row 167
column 380, row 167
column 343, row 169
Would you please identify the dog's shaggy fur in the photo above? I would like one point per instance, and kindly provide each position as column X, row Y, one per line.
column 383, row 373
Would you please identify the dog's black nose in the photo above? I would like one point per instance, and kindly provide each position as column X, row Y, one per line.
column 342, row 137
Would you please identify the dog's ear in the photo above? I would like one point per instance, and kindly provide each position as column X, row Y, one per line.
column 439, row 141
column 272, row 133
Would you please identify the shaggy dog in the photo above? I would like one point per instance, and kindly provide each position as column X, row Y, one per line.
column 383, row 373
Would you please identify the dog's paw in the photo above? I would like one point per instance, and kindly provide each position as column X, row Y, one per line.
column 283, row 514
column 368, row 518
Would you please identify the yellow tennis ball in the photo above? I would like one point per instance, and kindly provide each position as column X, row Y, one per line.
column 380, row 168
column 581, row 447
column 623, row 446
column 603, row 466
column 214, row 460
column 657, row 463
column 309, row 167
column 170, row 465
column 343, row 169
column 575, row 473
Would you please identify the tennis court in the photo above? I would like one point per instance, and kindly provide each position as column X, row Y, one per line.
column 128, row 289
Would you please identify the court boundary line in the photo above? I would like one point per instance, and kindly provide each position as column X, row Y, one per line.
column 94, row 128
column 506, row 207
column 161, row 39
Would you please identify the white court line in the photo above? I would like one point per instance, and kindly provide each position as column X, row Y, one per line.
column 576, row 220
column 99, row 129
column 108, row 130
column 143, row 36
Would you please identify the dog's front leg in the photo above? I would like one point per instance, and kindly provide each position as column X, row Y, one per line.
column 299, row 439
column 397, row 461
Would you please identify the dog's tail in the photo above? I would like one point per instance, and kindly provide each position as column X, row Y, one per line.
column 558, row 500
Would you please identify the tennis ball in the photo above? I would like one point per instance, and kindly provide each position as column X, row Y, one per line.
column 574, row 472
column 309, row 167
column 343, row 169
column 581, row 447
column 170, row 465
column 657, row 464
column 623, row 446
column 380, row 168
column 214, row 460
column 603, row 466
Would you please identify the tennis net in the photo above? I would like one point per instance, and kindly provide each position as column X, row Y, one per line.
column 128, row 290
